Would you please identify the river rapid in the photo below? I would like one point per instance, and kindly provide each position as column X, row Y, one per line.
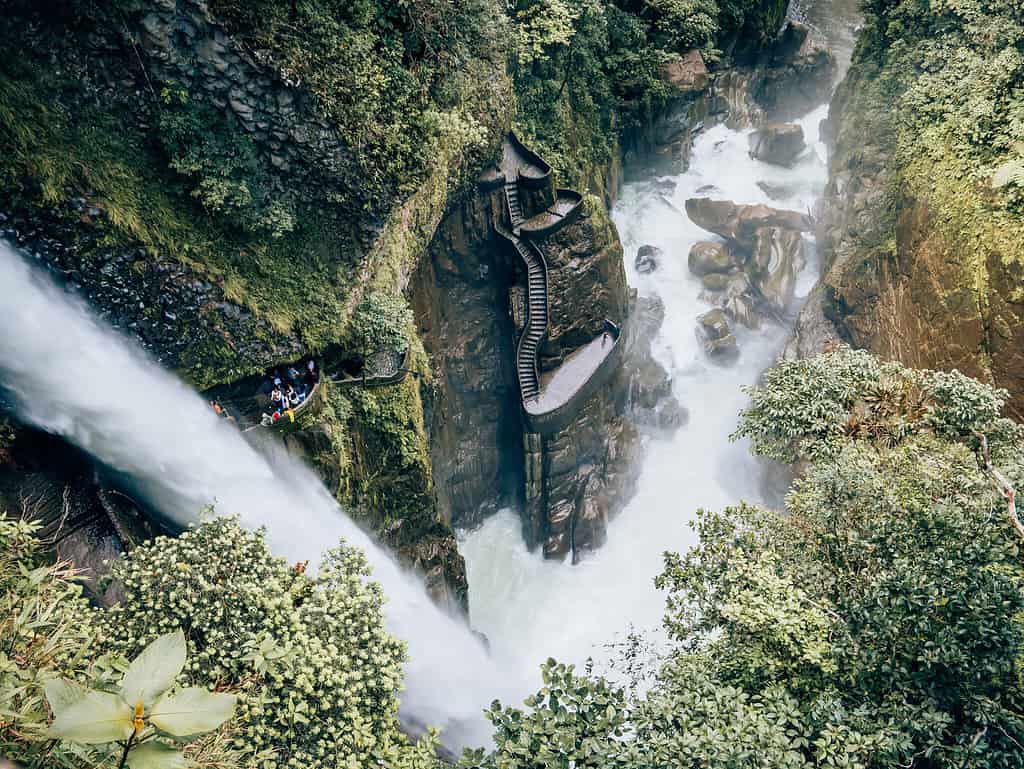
column 530, row 608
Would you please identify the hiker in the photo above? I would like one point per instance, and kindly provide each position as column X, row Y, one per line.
column 278, row 399
column 312, row 375
column 292, row 397
column 293, row 374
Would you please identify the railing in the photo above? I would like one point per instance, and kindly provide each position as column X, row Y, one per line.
column 535, row 328
column 535, row 172
column 567, row 209
column 561, row 416
column 520, row 165
column 377, row 380
column 315, row 395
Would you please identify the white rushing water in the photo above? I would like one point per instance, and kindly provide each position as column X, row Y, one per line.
column 72, row 375
column 530, row 608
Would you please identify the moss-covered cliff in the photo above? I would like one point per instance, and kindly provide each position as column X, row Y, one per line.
column 923, row 222
column 216, row 194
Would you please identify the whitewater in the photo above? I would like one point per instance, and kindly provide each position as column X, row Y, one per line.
column 530, row 608
column 72, row 375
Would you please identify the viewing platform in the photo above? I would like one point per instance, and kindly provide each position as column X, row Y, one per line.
column 564, row 390
column 566, row 210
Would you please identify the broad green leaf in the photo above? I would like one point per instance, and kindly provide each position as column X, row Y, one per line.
column 191, row 711
column 95, row 718
column 156, row 755
column 62, row 694
column 154, row 670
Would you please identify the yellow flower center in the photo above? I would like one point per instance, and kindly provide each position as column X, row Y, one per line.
column 139, row 723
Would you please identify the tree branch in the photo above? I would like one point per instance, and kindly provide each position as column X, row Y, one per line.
column 1004, row 486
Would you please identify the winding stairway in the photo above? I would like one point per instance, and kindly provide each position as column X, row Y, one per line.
column 549, row 405
column 537, row 298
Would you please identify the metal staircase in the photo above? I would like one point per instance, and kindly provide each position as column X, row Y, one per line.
column 527, row 368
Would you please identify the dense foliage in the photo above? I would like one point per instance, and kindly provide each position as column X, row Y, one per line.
column 877, row 623
column 382, row 72
column 317, row 675
column 587, row 71
column 936, row 86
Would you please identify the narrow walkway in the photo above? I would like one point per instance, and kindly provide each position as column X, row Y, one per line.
column 536, row 294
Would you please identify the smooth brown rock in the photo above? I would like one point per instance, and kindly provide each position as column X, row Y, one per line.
column 715, row 281
column 688, row 74
column 777, row 143
column 713, row 324
column 777, row 258
column 714, row 333
column 739, row 223
column 709, row 257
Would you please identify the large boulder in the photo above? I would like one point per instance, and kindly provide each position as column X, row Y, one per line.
column 687, row 74
column 777, row 143
column 708, row 257
column 715, row 281
column 739, row 223
column 647, row 259
column 778, row 257
column 735, row 295
column 714, row 333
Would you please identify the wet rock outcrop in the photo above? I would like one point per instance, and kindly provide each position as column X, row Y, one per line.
column 777, row 143
column 753, row 273
column 588, row 470
column 796, row 74
column 716, row 336
column 182, row 318
column 459, row 295
column 82, row 519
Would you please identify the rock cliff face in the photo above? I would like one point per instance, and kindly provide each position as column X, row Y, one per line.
column 459, row 295
column 567, row 483
column 578, row 477
column 896, row 282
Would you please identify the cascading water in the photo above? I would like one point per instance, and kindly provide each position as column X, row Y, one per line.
column 71, row 375
column 530, row 608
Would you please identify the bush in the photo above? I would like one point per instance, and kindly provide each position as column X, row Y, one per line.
column 46, row 631
column 205, row 147
column 325, row 675
column 381, row 322
column 876, row 623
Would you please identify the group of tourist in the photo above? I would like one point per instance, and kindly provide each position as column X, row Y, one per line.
column 289, row 390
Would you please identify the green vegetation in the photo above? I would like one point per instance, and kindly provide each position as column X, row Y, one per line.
column 384, row 73
column 877, row 623
column 587, row 71
column 380, row 322
column 956, row 138
column 146, row 712
column 315, row 674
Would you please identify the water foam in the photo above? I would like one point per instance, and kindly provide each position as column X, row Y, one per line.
column 531, row 608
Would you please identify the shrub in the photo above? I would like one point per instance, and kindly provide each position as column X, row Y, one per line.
column 220, row 162
column 876, row 623
column 326, row 675
column 46, row 631
column 381, row 322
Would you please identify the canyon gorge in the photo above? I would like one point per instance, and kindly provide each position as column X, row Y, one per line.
column 536, row 312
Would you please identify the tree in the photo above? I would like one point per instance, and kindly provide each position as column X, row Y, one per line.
column 877, row 622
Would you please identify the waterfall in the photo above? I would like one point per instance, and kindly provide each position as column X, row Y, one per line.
column 531, row 608
column 70, row 374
